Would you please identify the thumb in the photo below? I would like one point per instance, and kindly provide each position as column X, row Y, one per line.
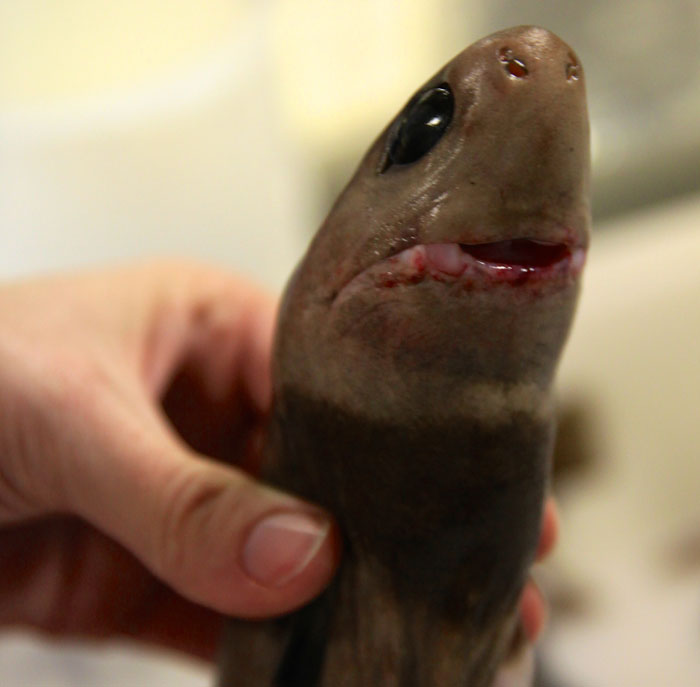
column 214, row 534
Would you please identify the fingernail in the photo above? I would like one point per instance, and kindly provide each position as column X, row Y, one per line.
column 281, row 545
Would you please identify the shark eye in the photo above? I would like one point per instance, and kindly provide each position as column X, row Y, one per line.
column 420, row 126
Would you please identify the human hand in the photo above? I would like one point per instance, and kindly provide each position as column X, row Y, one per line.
column 116, row 390
column 104, row 508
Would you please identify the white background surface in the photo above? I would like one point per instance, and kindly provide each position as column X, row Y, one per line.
column 633, row 359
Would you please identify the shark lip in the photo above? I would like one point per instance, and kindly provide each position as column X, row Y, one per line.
column 516, row 261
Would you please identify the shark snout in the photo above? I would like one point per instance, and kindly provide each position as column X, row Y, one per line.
column 534, row 56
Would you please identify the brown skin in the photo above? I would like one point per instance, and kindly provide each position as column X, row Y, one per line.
column 417, row 409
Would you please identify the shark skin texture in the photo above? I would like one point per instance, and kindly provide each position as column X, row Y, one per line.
column 416, row 348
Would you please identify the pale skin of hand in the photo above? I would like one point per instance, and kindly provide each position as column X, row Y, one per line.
column 131, row 402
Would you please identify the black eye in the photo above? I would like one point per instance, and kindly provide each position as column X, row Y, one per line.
column 420, row 126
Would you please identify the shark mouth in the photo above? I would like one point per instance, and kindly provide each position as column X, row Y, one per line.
column 509, row 259
column 512, row 260
column 524, row 254
column 517, row 262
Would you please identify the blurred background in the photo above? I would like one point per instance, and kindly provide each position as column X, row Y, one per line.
column 222, row 130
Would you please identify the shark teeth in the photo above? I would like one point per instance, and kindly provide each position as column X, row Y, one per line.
column 445, row 257
column 507, row 260
column 480, row 265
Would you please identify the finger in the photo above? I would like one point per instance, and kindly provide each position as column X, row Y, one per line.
column 208, row 364
column 75, row 582
column 550, row 529
column 217, row 325
column 215, row 535
column 533, row 611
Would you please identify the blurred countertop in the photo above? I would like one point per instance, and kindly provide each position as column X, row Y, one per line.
column 630, row 542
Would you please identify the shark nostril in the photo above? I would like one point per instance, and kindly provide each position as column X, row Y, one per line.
column 514, row 66
column 573, row 71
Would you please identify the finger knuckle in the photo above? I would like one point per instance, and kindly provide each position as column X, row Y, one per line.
column 200, row 507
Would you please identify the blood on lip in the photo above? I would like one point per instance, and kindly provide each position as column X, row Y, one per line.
column 513, row 261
